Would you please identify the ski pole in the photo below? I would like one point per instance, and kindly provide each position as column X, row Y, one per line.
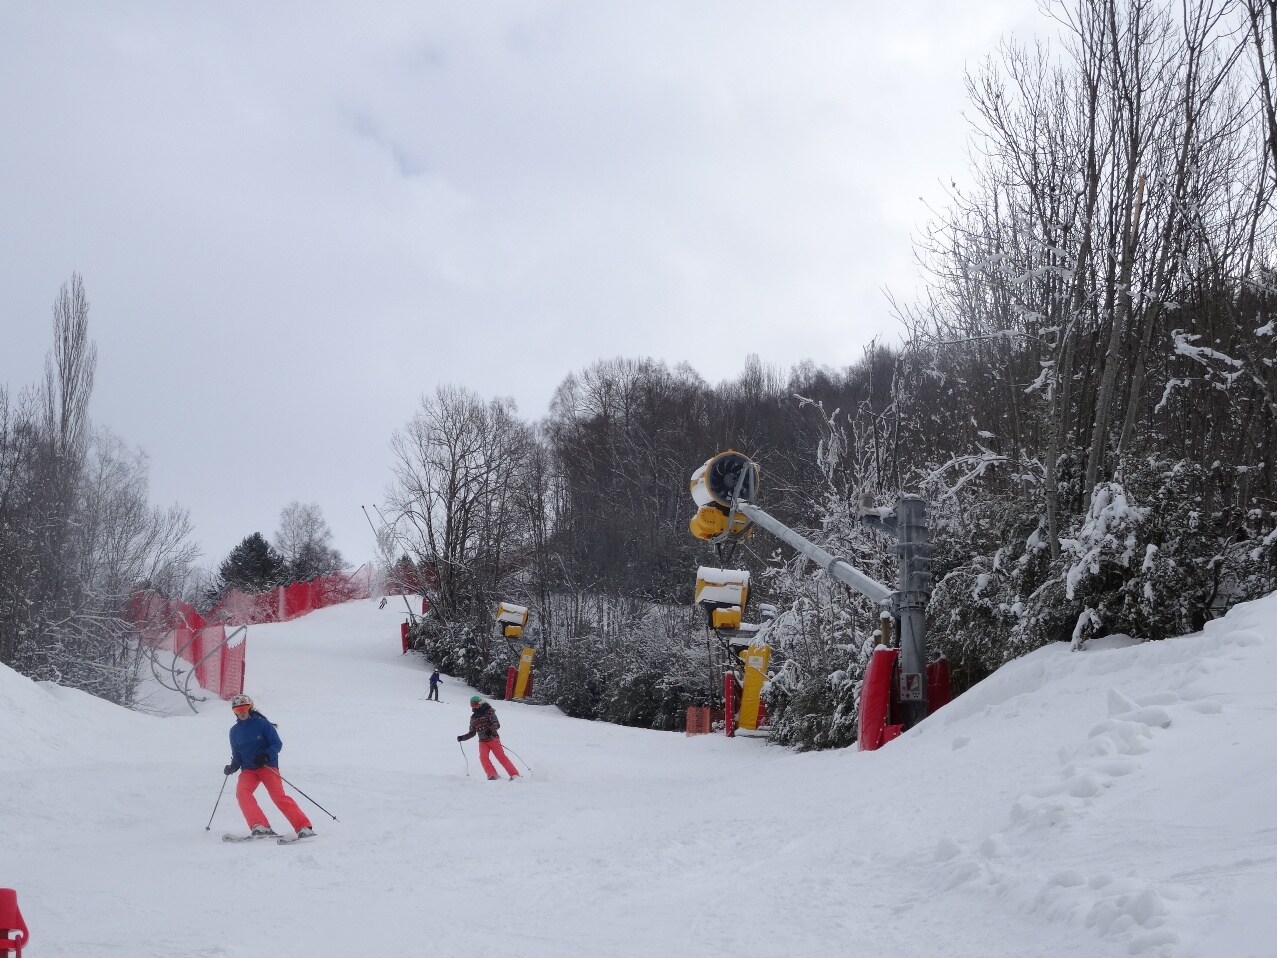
column 303, row 794
column 225, row 778
column 466, row 757
column 518, row 756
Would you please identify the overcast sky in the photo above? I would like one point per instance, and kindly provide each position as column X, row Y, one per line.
column 295, row 218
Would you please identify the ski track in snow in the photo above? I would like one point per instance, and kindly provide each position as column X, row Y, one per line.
column 1117, row 801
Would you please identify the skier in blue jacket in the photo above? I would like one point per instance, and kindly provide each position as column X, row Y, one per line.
column 255, row 749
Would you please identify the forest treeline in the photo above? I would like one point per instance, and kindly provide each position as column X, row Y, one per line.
column 1085, row 396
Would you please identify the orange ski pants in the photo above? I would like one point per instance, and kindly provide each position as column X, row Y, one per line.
column 249, row 779
column 490, row 748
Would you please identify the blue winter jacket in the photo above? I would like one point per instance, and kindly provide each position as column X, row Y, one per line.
column 252, row 737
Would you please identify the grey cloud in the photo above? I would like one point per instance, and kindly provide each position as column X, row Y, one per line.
column 294, row 218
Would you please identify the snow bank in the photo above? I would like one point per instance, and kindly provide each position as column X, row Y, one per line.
column 47, row 724
column 1144, row 832
column 1115, row 801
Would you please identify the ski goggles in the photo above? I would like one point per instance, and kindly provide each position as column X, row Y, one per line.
column 241, row 709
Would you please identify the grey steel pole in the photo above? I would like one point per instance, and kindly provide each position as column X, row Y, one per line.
column 839, row 569
column 911, row 606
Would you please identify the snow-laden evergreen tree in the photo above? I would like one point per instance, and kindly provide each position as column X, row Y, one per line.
column 252, row 566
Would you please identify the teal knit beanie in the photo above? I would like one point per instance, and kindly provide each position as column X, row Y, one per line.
column 476, row 699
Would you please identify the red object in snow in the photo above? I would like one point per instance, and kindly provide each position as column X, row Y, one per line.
column 729, row 704
column 511, row 675
column 875, row 701
column 232, row 679
column 403, row 634
column 698, row 720
column 939, row 687
column 11, row 923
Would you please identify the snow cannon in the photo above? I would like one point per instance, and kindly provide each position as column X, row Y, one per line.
column 523, row 678
column 752, row 712
column 717, row 486
column 722, row 593
column 11, row 924
column 512, row 619
column 725, row 478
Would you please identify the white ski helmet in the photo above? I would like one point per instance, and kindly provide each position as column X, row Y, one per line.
column 240, row 701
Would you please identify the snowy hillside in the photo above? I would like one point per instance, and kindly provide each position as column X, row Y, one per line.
column 1118, row 801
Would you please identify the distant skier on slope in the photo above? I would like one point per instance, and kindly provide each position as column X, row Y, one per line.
column 255, row 749
column 483, row 722
column 434, row 686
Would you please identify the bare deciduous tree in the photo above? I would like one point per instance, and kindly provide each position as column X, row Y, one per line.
column 77, row 534
column 305, row 541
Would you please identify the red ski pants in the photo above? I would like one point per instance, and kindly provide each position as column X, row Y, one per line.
column 490, row 748
column 249, row 779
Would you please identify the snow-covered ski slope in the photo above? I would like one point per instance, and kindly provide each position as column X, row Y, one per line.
column 1119, row 801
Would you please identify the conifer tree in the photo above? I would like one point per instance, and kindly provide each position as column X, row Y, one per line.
column 252, row 566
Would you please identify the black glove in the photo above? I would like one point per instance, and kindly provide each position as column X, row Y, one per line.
column 461, row 738
column 262, row 759
column 230, row 769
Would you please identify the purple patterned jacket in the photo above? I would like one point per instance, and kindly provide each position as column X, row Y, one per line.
column 483, row 722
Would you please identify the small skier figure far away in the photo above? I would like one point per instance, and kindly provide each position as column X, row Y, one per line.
column 255, row 749
column 434, row 686
column 483, row 722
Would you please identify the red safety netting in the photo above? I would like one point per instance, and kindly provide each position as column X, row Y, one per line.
column 209, row 642
column 175, row 626
column 231, row 681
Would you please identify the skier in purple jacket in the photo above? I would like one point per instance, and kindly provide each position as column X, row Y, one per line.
column 483, row 722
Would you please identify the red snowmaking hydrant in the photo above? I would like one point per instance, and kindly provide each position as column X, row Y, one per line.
column 11, row 923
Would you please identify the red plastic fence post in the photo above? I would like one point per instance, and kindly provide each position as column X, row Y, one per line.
column 511, row 676
column 11, row 923
column 729, row 704
column 939, row 684
column 403, row 634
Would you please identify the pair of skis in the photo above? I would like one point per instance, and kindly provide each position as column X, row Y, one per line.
column 279, row 839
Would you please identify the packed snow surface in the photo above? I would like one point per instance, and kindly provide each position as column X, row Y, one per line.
column 1120, row 800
